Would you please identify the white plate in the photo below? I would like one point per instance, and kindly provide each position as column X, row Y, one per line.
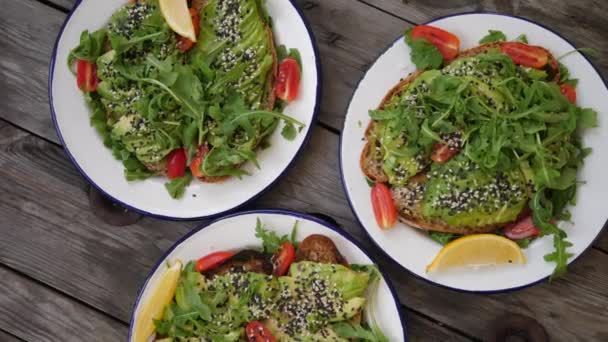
column 96, row 163
column 236, row 232
column 412, row 248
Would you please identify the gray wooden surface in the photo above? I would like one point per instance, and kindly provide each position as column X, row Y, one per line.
column 66, row 276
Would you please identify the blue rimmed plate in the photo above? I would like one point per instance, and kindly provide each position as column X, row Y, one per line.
column 236, row 232
column 412, row 248
column 96, row 163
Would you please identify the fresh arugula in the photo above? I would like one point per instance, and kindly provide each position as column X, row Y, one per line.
column 176, row 187
column 442, row 238
column 271, row 241
column 493, row 36
column 90, row 47
column 424, row 54
column 522, row 38
column 358, row 332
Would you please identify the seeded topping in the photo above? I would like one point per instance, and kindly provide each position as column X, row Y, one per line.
column 135, row 14
column 453, row 140
column 229, row 19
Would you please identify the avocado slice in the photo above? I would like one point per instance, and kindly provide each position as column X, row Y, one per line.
column 462, row 194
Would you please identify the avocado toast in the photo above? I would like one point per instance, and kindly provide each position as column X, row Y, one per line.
column 283, row 290
column 168, row 106
column 477, row 141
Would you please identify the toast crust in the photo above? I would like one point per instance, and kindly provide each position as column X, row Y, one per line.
column 373, row 168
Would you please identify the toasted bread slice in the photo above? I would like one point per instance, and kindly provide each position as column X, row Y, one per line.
column 404, row 197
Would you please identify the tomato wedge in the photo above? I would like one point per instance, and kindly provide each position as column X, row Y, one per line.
column 176, row 163
column 212, row 260
column 569, row 92
column 257, row 332
column 521, row 229
column 447, row 43
column 197, row 160
column 86, row 76
column 526, row 55
column 442, row 153
column 287, row 86
column 184, row 44
column 383, row 205
column 283, row 259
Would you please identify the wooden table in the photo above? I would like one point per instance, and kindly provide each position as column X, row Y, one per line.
column 67, row 276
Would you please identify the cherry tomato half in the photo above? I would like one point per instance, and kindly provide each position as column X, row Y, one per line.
column 442, row 153
column 447, row 43
column 184, row 44
column 212, row 260
column 287, row 86
column 526, row 55
column 86, row 76
column 283, row 259
column 383, row 205
column 257, row 332
column 197, row 161
column 521, row 229
column 176, row 163
column 569, row 92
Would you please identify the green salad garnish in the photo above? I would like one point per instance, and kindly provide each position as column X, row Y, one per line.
column 150, row 98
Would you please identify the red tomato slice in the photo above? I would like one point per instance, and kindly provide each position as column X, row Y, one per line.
column 526, row 55
column 383, row 205
column 86, row 76
column 442, row 153
column 197, row 161
column 283, row 259
column 569, row 92
column 287, row 86
column 257, row 332
column 212, row 260
column 184, row 44
column 176, row 163
column 522, row 229
column 447, row 43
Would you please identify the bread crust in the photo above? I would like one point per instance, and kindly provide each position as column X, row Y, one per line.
column 373, row 168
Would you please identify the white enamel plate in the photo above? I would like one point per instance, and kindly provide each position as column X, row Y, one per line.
column 413, row 249
column 236, row 232
column 96, row 163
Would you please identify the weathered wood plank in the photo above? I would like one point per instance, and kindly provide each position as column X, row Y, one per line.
column 421, row 329
column 34, row 312
column 6, row 337
column 583, row 22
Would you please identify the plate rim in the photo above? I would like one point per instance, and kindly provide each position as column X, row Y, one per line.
column 272, row 211
column 294, row 158
column 344, row 185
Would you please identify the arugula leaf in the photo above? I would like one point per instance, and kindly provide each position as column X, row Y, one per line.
column 493, row 36
column 283, row 52
column 271, row 242
column 542, row 215
column 521, row 38
column 90, row 47
column 424, row 54
column 289, row 131
column 587, row 118
column 442, row 238
column 357, row 331
column 177, row 186
column 524, row 243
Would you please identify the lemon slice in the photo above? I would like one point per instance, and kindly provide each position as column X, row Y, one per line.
column 177, row 15
column 160, row 297
column 477, row 250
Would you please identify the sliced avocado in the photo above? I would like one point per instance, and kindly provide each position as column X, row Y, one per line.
column 463, row 195
column 104, row 65
column 349, row 283
column 123, row 126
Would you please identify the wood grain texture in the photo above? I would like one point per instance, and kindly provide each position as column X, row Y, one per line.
column 6, row 337
column 36, row 313
column 583, row 22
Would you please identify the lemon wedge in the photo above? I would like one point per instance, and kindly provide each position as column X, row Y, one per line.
column 161, row 296
column 177, row 15
column 477, row 250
